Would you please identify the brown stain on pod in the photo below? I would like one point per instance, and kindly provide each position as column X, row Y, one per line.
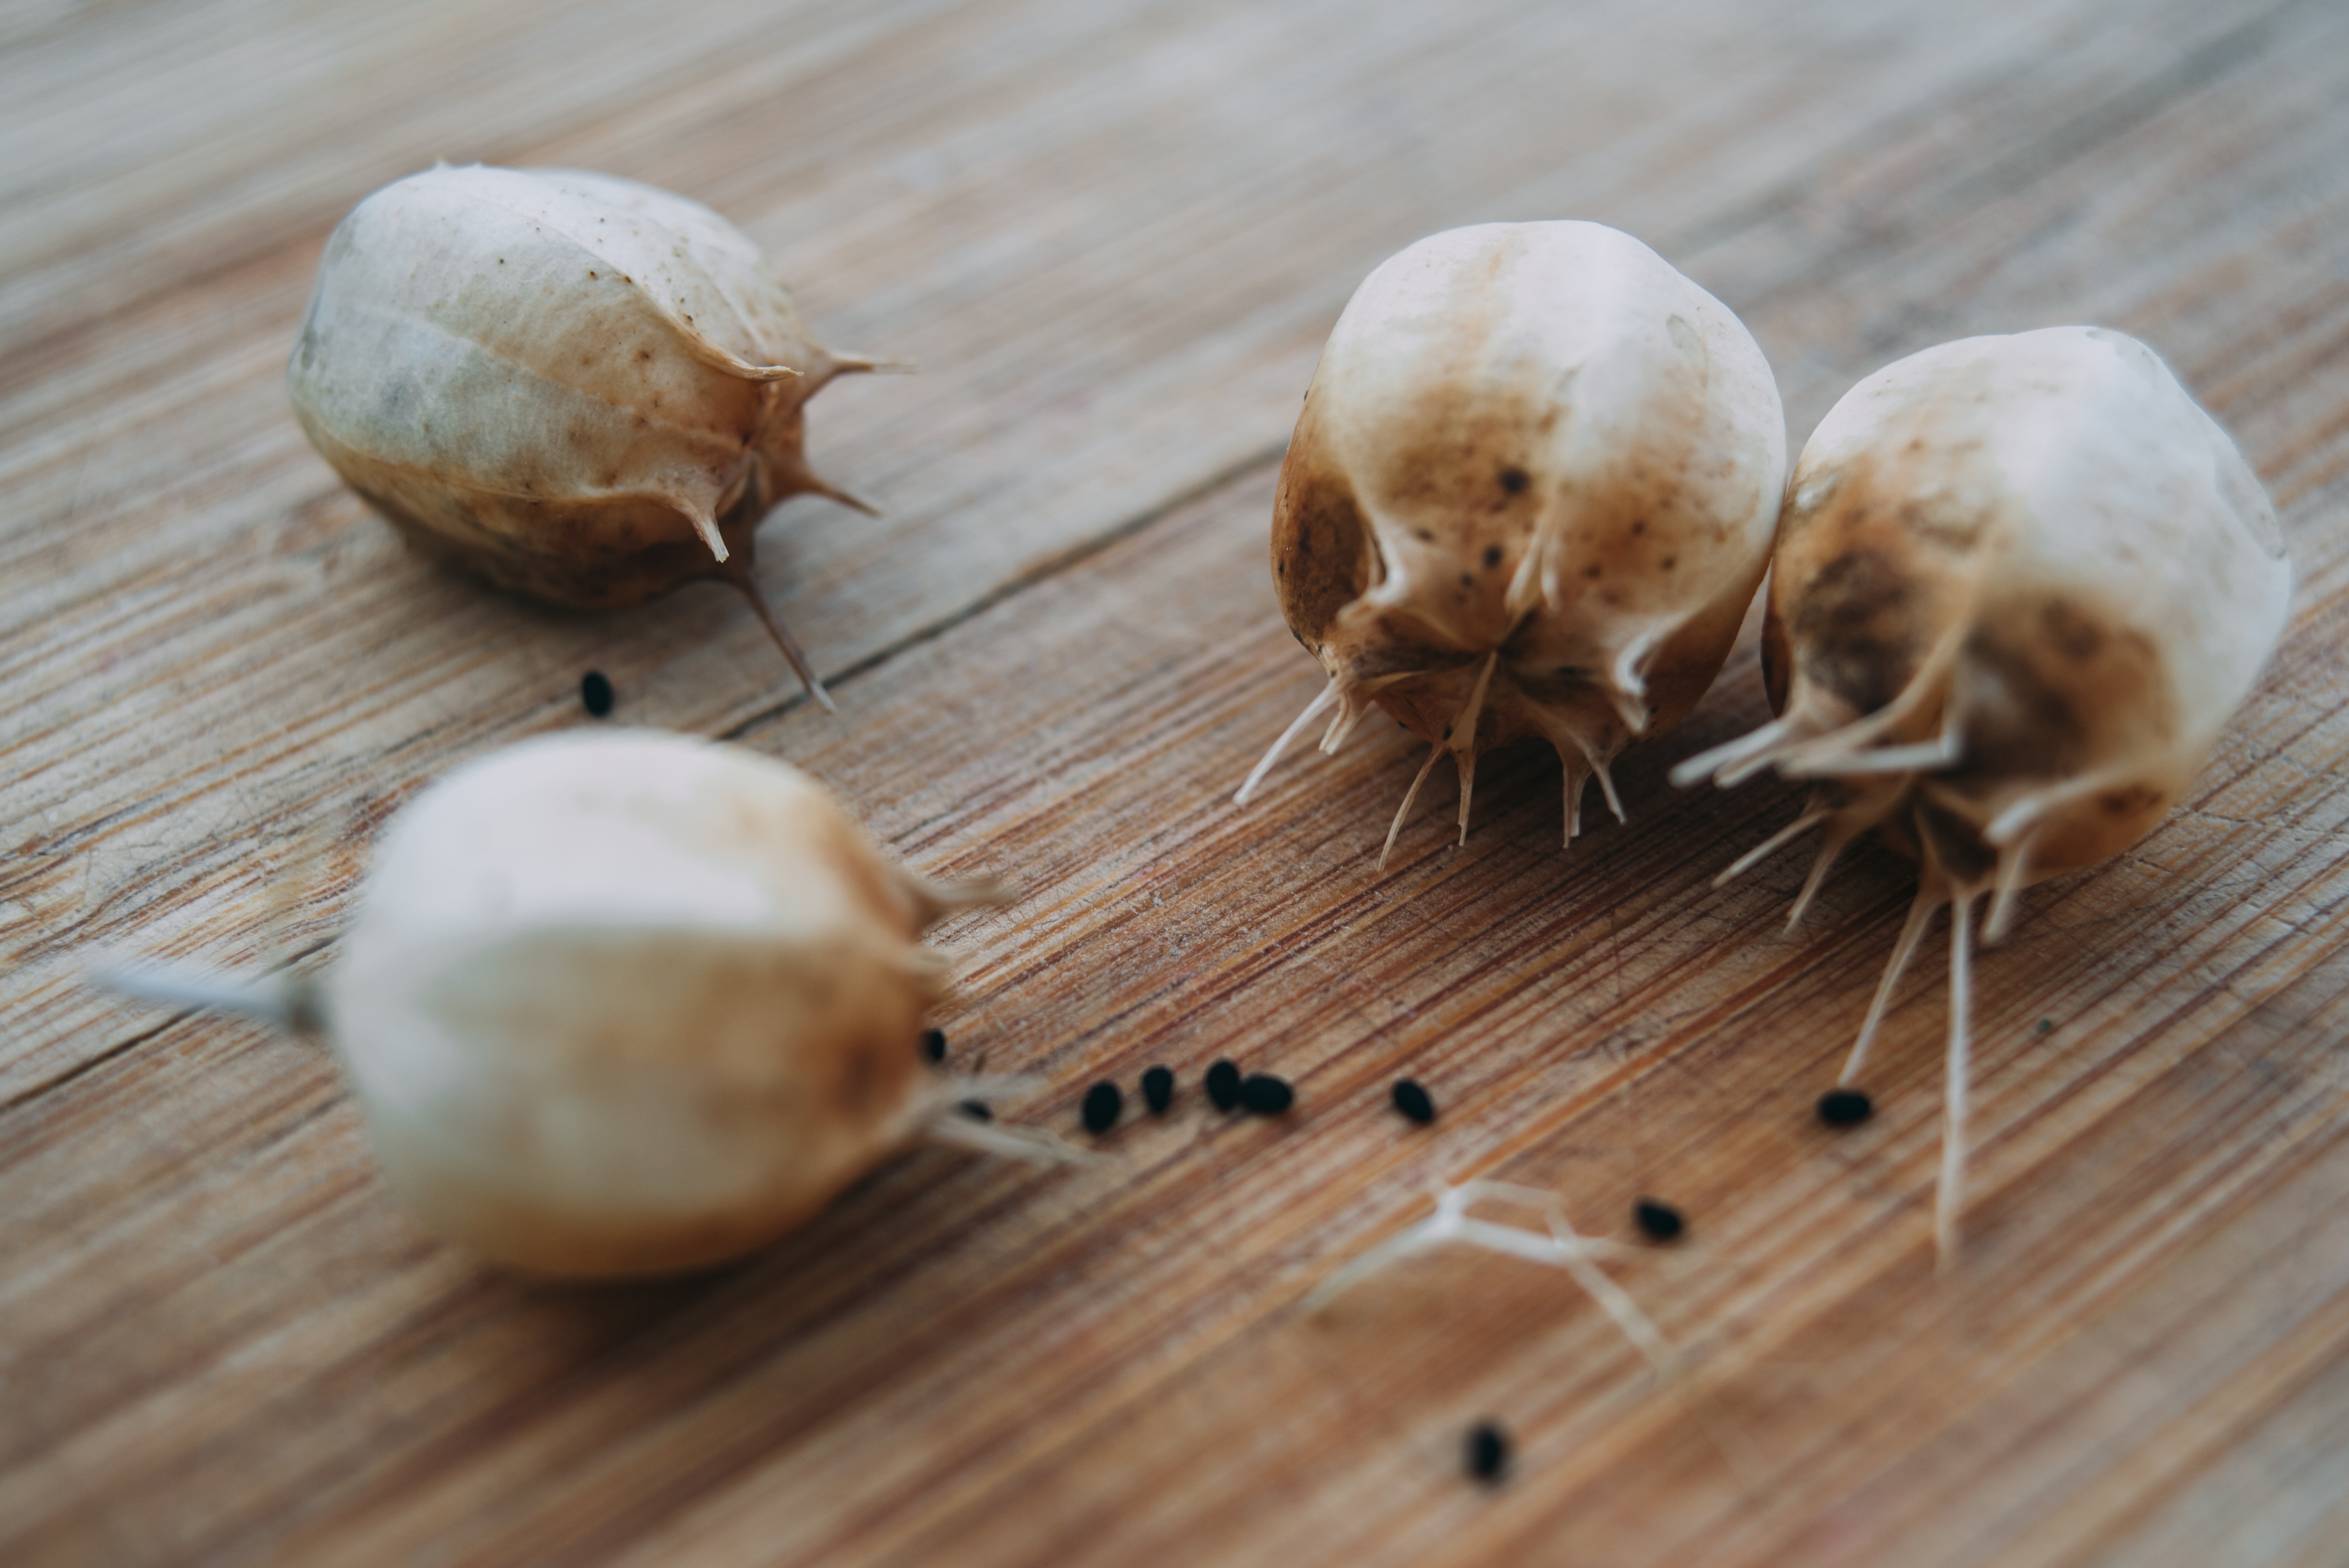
column 2022, row 584
column 580, row 389
column 1530, row 495
column 1879, row 554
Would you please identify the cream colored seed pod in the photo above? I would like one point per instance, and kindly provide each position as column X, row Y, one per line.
column 2022, row 583
column 583, row 388
column 627, row 1003
column 1531, row 495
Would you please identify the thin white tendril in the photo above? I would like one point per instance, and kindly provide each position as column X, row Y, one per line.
column 1296, row 728
column 1771, row 846
column 1912, row 930
column 1950, row 1198
column 1409, row 795
column 1558, row 1247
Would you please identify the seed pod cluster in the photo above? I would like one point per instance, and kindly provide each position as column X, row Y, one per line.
column 1531, row 495
column 2022, row 583
column 581, row 388
column 623, row 1003
column 2019, row 586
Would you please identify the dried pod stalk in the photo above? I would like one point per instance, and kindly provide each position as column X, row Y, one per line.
column 1531, row 495
column 581, row 388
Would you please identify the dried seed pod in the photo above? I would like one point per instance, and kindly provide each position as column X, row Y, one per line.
column 2022, row 583
column 624, row 1003
column 581, row 388
column 1531, row 495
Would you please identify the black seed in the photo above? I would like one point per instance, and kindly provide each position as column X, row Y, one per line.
column 1102, row 1103
column 1844, row 1108
column 1223, row 1085
column 1266, row 1095
column 1660, row 1221
column 1487, row 1451
column 1492, row 556
column 977, row 1110
column 1412, row 1101
column 2046, row 1025
column 596, row 692
column 1514, row 481
column 1158, row 1089
column 933, row 1045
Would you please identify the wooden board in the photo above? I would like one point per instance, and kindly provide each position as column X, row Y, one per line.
column 1114, row 239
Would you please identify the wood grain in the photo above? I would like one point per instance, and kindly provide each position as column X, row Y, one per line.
column 1114, row 239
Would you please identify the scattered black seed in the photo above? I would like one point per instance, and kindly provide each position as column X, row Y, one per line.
column 1266, row 1095
column 1223, row 1085
column 977, row 1110
column 1660, row 1221
column 1158, row 1089
column 596, row 692
column 1487, row 1451
column 1103, row 1104
column 2046, row 1025
column 1412, row 1101
column 1844, row 1108
column 934, row 1043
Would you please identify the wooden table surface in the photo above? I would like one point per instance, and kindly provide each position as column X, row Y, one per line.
column 1113, row 238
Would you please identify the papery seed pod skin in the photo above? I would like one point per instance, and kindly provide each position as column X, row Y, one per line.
column 626, row 1003
column 1531, row 494
column 581, row 388
column 2063, row 555
column 2022, row 584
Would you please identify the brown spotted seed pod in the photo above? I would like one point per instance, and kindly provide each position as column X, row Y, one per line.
column 581, row 388
column 1531, row 495
column 2022, row 583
